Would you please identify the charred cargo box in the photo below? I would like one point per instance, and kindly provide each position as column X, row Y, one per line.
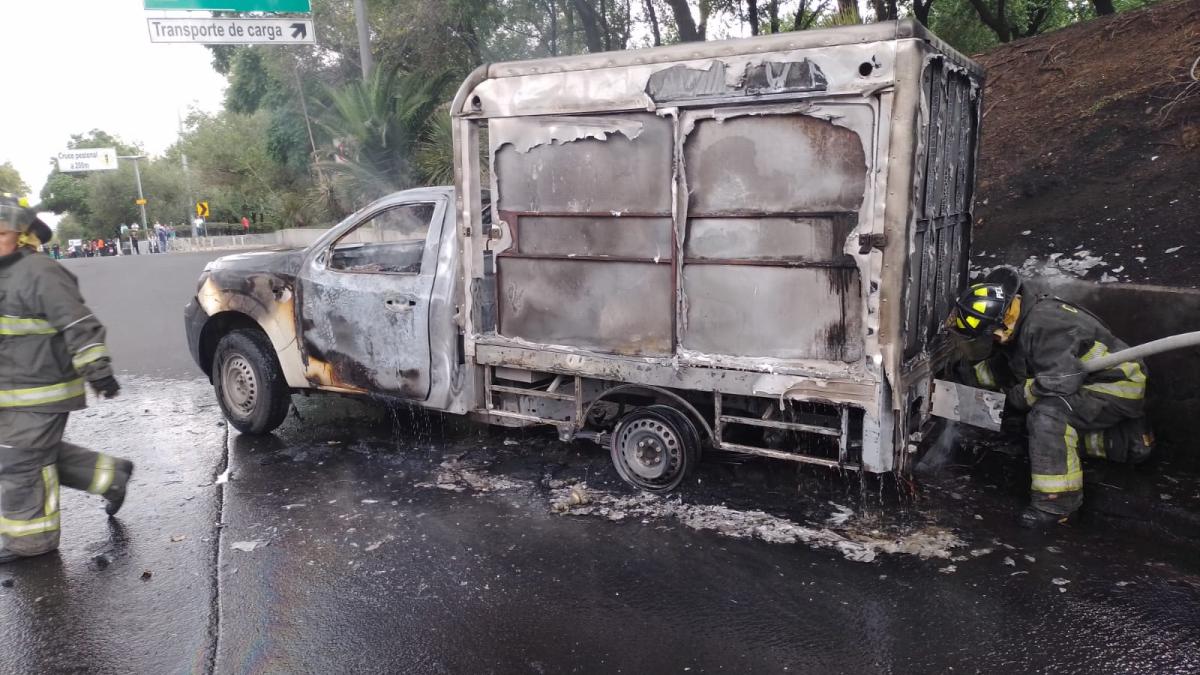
column 754, row 240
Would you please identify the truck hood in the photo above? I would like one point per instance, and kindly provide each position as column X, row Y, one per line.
column 284, row 263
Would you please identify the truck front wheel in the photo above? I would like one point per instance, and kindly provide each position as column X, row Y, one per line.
column 249, row 383
column 654, row 448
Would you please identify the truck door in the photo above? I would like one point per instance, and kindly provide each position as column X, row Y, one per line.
column 365, row 301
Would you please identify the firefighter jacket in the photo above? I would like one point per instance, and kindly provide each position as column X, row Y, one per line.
column 1052, row 341
column 49, row 340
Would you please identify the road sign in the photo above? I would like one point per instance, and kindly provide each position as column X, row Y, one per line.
column 232, row 5
column 232, row 31
column 202, row 209
column 88, row 159
column 140, row 202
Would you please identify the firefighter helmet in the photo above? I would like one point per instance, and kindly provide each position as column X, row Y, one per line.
column 980, row 310
column 15, row 214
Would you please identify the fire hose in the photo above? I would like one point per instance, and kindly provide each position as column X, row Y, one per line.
column 1148, row 349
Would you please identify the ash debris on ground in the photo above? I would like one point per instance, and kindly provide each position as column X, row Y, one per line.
column 856, row 545
column 854, row 538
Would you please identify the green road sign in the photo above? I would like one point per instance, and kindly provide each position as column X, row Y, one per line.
column 232, row 5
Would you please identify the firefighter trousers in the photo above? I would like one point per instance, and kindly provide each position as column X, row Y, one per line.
column 1060, row 428
column 34, row 460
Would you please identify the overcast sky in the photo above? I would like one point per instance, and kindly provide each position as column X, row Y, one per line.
column 76, row 65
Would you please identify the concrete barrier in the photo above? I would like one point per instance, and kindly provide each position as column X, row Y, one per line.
column 1141, row 313
column 290, row 238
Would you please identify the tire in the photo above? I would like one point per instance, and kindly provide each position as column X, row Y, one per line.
column 655, row 448
column 249, row 382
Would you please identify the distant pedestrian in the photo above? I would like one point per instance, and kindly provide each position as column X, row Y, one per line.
column 245, row 225
column 133, row 238
column 161, row 233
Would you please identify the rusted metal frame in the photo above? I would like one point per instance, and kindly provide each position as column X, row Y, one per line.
column 531, row 418
column 585, row 258
column 488, row 400
column 753, row 262
column 791, row 456
column 776, row 424
column 679, row 217
column 718, row 419
column 844, row 437
column 537, row 393
column 773, row 214
column 948, row 253
column 580, row 420
column 691, row 409
column 503, row 351
column 585, row 214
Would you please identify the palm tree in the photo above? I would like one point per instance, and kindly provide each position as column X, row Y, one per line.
column 376, row 125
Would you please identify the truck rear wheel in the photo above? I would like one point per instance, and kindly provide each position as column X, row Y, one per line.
column 654, row 448
column 249, row 383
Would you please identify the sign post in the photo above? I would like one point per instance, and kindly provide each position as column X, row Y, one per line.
column 141, row 200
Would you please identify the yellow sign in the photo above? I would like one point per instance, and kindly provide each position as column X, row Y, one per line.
column 202, row 209
column 140, row 202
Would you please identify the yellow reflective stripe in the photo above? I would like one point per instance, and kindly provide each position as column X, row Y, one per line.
column 18, row 325
column 1030, row 397
column 984, row 374
column 1098, row 349
column 1133, row 387
column 102, row 477
column 12, row 398
column 24, row 528
column 1070, row 481
column 89, row 354
column 50, row 486
column 1093, row 443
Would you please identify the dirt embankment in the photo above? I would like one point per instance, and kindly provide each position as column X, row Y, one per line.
column 1090, row 158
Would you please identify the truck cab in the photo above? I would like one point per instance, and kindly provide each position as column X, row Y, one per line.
column 368, row 308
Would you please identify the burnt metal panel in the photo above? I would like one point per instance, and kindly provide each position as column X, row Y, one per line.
column 618, row 307
column 788, row 187
column 681, row 82
column 581, row 173
column 774, row 312
column 799, row 238
column 625, row 236
column 773, row 164
column 943, row 195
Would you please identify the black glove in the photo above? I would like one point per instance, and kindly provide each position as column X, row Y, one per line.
column 106, row 386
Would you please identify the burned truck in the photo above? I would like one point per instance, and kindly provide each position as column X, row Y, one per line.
column 746, row 245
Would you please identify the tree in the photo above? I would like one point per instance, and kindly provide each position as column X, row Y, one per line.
column 374, row 127
column 684, row 23
column 69, row 192
column 1011, row 22
column 10, row 180
column 69, row 228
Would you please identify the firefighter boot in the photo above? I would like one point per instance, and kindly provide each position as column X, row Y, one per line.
column 1037, row 519
column 115, row 495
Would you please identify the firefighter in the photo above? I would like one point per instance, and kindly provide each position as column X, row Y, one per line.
column 1034, row 348
column 49, row 344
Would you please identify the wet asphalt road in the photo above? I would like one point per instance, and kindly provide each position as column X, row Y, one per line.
column 364, row 539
